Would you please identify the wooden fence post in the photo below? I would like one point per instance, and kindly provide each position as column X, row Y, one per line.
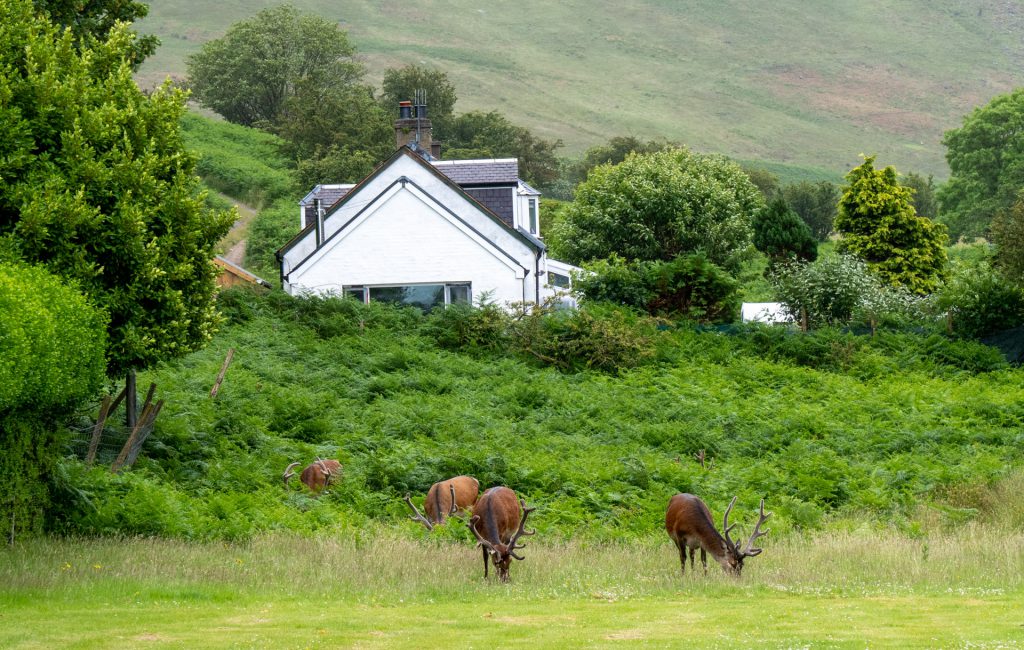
column 97, row 431
column 223, row 371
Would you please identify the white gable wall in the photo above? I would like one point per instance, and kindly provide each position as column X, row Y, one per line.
column 417, row 232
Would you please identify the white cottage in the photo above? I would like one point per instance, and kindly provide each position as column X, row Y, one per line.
column 424, row 232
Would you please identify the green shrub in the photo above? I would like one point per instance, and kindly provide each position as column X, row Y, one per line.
column 53, row 344
column 688, row 287
column 981, row 301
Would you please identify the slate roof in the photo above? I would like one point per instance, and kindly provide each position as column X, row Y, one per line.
column 328, row 195
column 492, row 171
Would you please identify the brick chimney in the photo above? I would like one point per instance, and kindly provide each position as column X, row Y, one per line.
column 412, row 128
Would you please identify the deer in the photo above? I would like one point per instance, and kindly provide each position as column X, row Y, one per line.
column 445, row 499
column 317, row 476
column 690, row 525
column 497, row 526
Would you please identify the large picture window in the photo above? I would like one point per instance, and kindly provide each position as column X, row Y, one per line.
column 424, row 296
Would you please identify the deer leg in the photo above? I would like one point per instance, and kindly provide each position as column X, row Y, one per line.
column 693, row 566
column 485, row 561
column 704, row 559
column 682, row 558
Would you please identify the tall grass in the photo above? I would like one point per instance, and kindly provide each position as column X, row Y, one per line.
column 382, row 564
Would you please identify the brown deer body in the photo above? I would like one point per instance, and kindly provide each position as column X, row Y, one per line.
column 446, row 498
column 317, row 475
column 497, row 526
column 690, row 525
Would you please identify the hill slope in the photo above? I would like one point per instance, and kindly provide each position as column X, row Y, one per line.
column 776, row 82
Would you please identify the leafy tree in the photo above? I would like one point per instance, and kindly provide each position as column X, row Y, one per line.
column 1008, row 237
column 782, row 235
column 337, row 137
column 765, row 181
column 986, row 163
column 99, row 188
column 401, row 84
column 96, row 18
column 923, row 199
column 53, row 342
column 816, row 203
column 981, row 301
column 838, row 289
column 612, row 153
column 879, row 225
column 660, row 206
column 249, row 75
column 687, row 287
column 491, row 135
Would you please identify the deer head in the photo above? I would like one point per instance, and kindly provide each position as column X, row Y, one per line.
column 502, row 554
column 734, row 553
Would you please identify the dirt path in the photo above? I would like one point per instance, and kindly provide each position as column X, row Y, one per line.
column 232, row 247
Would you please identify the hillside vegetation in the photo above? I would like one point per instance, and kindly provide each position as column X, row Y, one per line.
column 784, row 82
column 823, row 426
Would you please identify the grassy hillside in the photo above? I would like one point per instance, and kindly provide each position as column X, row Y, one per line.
column 825, row 426
column 788, row 82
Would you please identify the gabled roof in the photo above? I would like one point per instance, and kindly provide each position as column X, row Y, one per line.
column 447, row 180
column 485, row 171
column 328, row 194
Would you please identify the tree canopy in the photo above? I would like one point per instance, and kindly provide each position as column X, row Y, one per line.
column 96, row 18
column 249, row 75
column 401, row 84
column 661, row 205
column 99, row 188
column 490, row 135
column 1008, row 237
column 816, row 203
column 782, row 235
column 878, row 224
column 986, row 163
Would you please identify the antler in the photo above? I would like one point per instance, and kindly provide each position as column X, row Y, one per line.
column 418, row 517
column 522, row 531
column 726, row 527
column 454, row 508
column 480, row 540
column 288, row 473
column 749, row 549
column 328, row 474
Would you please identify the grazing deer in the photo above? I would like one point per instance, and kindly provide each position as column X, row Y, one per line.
column 317, row 476
column 689, row 524
column 444, row 499
column 497, row 527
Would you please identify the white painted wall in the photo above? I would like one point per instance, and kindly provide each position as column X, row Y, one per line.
column 404, row 236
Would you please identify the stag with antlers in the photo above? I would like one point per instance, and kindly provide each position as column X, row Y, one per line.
column 689, row 524
column 497, row 526
column 445, row 499
column 317, row 476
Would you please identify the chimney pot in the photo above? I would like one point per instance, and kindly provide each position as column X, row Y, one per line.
column 404, row 110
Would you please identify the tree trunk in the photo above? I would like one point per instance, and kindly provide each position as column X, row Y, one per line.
column 131, row 403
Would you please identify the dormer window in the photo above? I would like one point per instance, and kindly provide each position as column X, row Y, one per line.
column 533, row 216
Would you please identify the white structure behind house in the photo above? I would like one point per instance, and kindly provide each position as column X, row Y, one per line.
column 765, row 312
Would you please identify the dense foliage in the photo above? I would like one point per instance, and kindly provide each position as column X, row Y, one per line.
column 816, row 423
column 95, row 19
column 816, row 203
column 839, row 290
column 986, row 163
column 53, row 344
column 924, row 198
column 659, row 206
column 981, row 301
column 688, row 287
column 401, row 84
column 98, row 187
column 1007, row 234
column 879, row 225
column 249, row 75
column 783, row 236
column 491, row 135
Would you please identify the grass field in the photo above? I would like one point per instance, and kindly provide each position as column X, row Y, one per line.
column 807, row 85
column 382, row 589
